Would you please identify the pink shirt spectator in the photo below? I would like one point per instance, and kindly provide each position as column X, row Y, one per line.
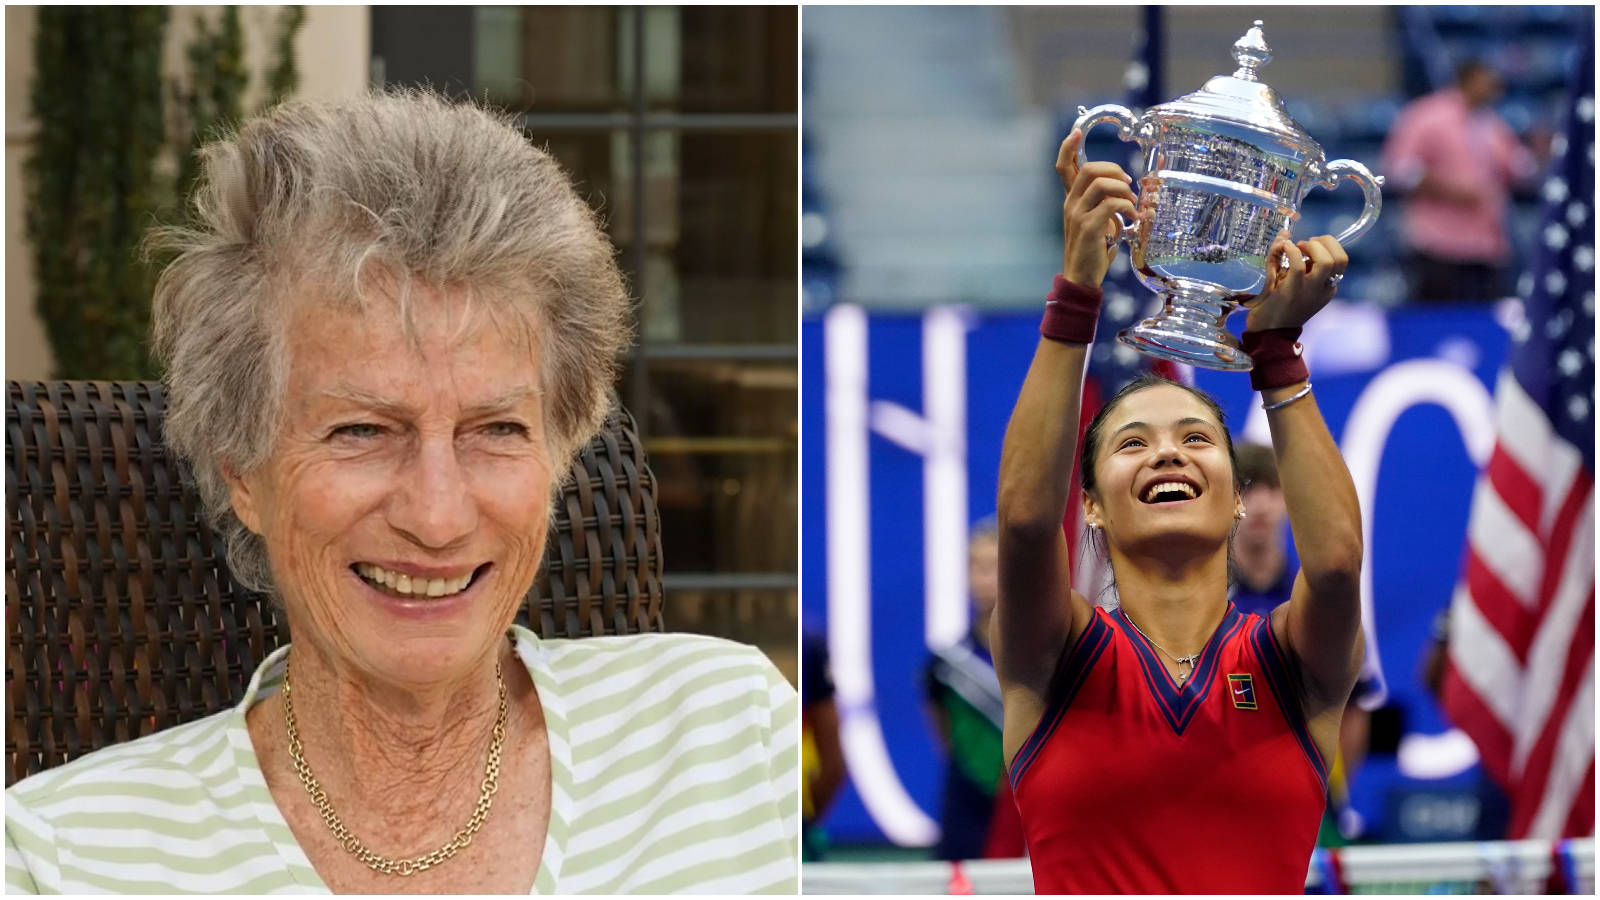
column 1466, row 149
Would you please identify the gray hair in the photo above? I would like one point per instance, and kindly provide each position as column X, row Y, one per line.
column 398, row 187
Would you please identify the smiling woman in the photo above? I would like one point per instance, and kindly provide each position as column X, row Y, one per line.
column 421, row 457
column 392, row 325
column 1170, row 705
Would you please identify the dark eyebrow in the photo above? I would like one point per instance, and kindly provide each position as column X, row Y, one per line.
column 1128, row 426
column 1190, row 420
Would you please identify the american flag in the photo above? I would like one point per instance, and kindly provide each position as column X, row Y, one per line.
column 1520, row 675
column 1112, row 363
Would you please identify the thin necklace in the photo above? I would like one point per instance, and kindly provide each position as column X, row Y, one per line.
column 403, row 867
column 1180, row 660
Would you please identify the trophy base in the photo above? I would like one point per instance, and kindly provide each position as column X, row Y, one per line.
column 1190, row 330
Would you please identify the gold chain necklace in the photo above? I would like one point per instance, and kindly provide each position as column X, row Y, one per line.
column 402, row 867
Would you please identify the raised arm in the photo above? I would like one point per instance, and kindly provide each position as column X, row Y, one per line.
column 1037, row 612
column 1321, row 623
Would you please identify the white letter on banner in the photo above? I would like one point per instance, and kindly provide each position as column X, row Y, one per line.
column 944, row 477
column 1389, row 394
column 850, row 584
column 939, row 436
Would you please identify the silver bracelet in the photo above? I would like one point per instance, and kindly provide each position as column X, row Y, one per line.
column 1269, row 407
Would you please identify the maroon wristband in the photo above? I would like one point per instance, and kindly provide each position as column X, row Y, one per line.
column 1275, row 358
column 1070, row 312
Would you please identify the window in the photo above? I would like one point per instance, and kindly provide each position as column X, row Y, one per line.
column 683, row 119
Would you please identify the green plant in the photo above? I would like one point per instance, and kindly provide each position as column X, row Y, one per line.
column 212, row 98
column 285, row 77
column 92, row 187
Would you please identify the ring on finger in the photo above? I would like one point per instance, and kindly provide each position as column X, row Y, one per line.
column 1333, row 280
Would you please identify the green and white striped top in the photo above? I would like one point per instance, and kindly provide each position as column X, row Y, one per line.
column 674, row 768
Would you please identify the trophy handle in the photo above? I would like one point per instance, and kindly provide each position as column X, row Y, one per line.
column 1106, row 112
column 1370, row 184
column 1126, row 123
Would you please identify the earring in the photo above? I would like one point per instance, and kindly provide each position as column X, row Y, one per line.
column 1239, row 513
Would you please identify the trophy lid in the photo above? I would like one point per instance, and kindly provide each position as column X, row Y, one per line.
column 1241, row 99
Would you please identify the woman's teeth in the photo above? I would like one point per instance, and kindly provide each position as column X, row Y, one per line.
column 413, row 587
column 1155, row 490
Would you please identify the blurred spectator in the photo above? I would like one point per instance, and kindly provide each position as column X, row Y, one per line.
column 1455, row 160
column 1263, row 579
column 1434, row 655
column 965, row 698
column 821, row 756
column 1262, row 575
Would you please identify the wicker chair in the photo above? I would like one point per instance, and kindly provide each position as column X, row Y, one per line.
column 122, row 618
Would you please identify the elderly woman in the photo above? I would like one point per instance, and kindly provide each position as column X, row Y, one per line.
column 391, row 327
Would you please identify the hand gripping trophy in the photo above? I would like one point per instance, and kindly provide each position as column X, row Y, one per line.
column 1226, row 170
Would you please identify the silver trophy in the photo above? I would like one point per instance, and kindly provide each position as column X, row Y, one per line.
column 1226, row 169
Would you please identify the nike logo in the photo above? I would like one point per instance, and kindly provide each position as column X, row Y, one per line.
column 1242, row 691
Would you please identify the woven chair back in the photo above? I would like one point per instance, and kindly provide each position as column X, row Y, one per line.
column 121, row 615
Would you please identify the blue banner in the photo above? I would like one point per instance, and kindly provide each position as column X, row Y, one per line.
column 903, row 420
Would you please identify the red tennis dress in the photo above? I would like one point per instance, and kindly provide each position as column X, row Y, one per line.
column 1133, row 785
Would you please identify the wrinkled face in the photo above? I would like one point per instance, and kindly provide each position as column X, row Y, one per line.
column 983, row 574
column 1162, row 472
column 404, row 505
